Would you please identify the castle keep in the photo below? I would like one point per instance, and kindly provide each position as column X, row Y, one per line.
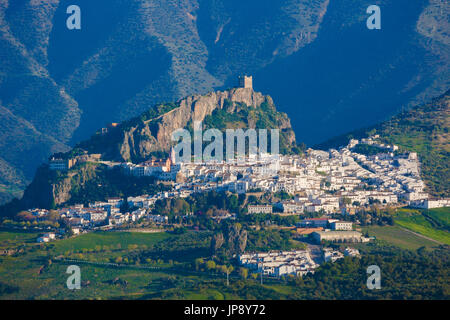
column 246, row 82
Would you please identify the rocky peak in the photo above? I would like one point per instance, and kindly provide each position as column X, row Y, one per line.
column 155, row 134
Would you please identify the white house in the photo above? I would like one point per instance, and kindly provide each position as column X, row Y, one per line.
column 341, row 225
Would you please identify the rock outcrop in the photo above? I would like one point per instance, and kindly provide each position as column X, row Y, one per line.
column 153, row 135
column 139, row 138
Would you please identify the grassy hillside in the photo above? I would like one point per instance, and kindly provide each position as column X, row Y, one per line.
column 394, row 235
column 92, row 240
column 430, row 223
column 423, row 129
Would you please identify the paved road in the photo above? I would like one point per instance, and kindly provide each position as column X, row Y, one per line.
column 315, row 251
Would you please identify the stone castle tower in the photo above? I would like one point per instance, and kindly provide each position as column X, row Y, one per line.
column 246, row 82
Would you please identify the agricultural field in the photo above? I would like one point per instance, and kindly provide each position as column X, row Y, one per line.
column 163, row 265
column 12, row 239
column 112, row 239
column 441, row 216
column 116, row 265
column 432, row 223
column 396, row 236
column 38, row 272
column 127, row 265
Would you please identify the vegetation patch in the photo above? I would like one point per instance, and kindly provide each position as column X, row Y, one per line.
column 429, row 223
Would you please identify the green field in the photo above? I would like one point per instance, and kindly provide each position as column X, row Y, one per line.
column 432, row 223
column 440, row 215
column 400, row 238
column 94, row 239
column 37, row 274
column 12, row 238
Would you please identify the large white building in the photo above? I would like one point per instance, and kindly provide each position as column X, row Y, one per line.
column 340, row 236
column 342, row 225
column 259, row 209
column 430, row 204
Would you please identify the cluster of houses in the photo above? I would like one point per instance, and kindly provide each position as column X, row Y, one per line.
column 332, row 230
column 49, row 236
column 430, row 203
column 320, row 229
column 322, row 181
column 165, row 170
column 102, row 214
column 296, row 262
column 333, row 255
column 279, row 263
column 343, row 180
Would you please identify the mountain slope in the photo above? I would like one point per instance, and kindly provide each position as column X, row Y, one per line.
column 324, row 68
column 351, row 77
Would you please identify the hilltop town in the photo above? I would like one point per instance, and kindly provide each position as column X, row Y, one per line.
column 323, row 189
column 328, row 183
column 337, row 181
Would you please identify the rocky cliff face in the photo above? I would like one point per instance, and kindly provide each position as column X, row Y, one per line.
column 155, row 134
column 135, row 140
column 50, row 188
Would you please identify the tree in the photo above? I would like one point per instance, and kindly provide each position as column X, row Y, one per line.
column 243, row 272
column 346, row 201
column 233, row 203
column 224, row 269
column 216, row 242
column 181, row 206
column 210, row 265
column 252, row 199
column 25, row 216
column 53, row 215
column 198, row 263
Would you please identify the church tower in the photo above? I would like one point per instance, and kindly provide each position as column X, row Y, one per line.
column 172, row 156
